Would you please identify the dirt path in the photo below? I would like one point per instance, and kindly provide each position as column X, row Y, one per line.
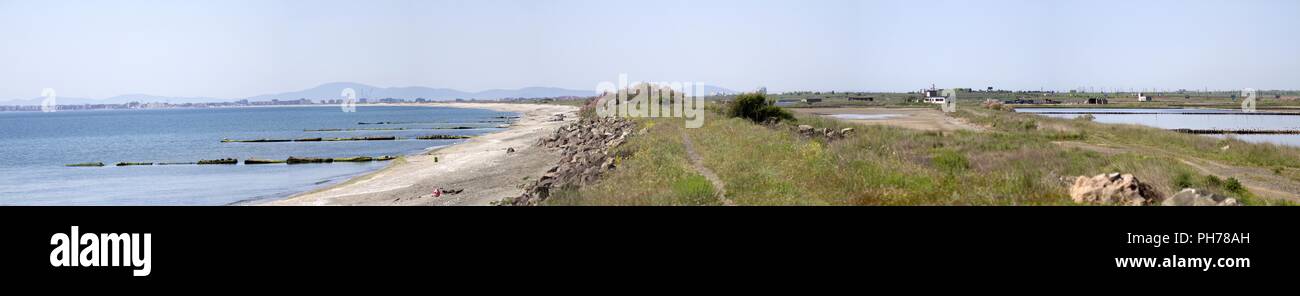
column 697, row 163
column 914, row 118
column 1257, row 180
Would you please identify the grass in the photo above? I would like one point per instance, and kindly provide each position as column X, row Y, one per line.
column 1018, row 161
column 1271, row 156
column 895, row 166
column 1275, row 158
column 652, row 170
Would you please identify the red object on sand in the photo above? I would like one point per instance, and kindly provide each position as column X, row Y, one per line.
column 437, row 192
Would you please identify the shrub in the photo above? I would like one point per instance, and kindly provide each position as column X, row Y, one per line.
column 1086, row 117
column 1183, row 180
column 693, row 187
column 1213, row 181
column 1234, row 186
column 756, row 108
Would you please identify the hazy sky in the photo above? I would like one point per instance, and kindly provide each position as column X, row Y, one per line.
column 234, row 48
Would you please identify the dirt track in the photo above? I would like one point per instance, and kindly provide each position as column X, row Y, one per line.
column 913, row 118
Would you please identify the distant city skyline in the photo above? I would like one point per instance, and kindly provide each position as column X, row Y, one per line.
column 232, row 49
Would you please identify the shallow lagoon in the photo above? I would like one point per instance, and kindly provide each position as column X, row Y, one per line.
column 1179, row 119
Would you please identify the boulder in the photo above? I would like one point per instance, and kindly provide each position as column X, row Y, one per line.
column 1195, row 198
column 585, row 150
column 1113, row 189
column 805, row 129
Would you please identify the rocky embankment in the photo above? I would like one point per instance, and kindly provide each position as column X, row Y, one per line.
column 586, row 149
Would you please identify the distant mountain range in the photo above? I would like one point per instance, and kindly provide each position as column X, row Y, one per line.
column 122, row 99
column 334, row 91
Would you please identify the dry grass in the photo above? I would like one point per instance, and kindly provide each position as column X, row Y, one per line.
column 1015, row 163
column 652, row 170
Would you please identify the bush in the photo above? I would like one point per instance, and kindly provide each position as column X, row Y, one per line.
column 1234, row 186
column 1213, row 181
column 693, row 187
column 1183, row 180
column 756, row 108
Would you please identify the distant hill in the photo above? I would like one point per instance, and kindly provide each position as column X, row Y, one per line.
column 122, row 99
column 334, row 90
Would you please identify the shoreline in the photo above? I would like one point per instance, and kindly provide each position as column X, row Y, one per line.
column 480, row 166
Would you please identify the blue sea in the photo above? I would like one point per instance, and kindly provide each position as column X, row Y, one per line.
column 36, row 147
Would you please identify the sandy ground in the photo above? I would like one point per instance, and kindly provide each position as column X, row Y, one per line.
column 480, row 166
column 914, row 118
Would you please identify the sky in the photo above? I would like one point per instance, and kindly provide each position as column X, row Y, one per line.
column 243, row 48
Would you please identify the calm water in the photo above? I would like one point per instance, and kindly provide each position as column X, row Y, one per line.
column 37, row 146
column 1177, row 119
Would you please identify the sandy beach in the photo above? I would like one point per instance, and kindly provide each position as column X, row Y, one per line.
column 481, row 167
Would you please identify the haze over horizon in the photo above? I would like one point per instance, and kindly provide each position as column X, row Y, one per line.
column 246, row 48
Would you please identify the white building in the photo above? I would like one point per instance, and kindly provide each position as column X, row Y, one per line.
column 1142, row 97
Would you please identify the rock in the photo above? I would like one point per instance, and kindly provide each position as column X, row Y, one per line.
column 353, row 159
column 1194, row 198
column 252, row 161
column 848, row 131
column 510, row 150
column 824, row 133
column 219, row 161
column 299, row 160
column 585, row 148
column 1113, row 189
column 441, row 137
column 805, row 129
